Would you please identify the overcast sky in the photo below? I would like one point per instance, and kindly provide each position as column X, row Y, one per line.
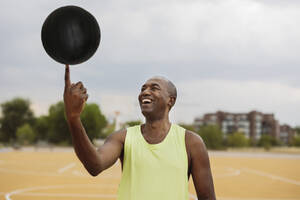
column 230, row 55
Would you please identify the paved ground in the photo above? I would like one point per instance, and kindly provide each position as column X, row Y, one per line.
column 42, row 174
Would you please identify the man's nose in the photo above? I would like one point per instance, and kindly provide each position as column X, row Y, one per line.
column 146, row 91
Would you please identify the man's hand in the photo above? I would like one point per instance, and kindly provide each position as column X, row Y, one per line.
column 74, row 96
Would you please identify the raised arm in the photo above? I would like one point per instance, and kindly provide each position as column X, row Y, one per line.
column 200, row 167
column 95, row 161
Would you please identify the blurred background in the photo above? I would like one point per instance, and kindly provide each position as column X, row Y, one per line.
column 235, row 64
column 228, row 59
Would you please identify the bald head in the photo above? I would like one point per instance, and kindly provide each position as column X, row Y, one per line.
column 171, row 88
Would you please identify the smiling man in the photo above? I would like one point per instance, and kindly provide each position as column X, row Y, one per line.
column 157, row 157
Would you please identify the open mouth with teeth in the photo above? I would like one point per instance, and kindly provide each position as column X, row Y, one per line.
column 146, row 101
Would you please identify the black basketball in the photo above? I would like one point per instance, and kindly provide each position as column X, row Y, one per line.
column 70, row 35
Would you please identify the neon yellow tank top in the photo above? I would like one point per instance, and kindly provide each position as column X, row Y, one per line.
column 154, row 171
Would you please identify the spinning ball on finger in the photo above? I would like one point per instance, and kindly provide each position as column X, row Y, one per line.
column 70, row 35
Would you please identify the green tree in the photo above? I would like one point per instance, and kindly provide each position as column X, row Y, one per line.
column 237, row 140
column 253, row 142
column 58, row 127
column 25, row 134
column 297, row 130
column 189, row 127
column 266, row 141
column 2, row 136
column 296, row 141
column 93, row 120
column 132, row 123
column 15, row 113
column 212, row 136
column 109, row 129
column 41, row 127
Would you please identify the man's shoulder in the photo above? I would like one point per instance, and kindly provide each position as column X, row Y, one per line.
column 118, row 136
column 193, row 140
column 190, row 136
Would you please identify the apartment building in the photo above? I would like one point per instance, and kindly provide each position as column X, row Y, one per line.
column 253, row 124
column 286, row 133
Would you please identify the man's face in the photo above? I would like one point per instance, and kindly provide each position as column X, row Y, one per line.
column 154, row 97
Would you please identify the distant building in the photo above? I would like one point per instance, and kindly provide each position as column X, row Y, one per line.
column 253, row 124
column 286, row 134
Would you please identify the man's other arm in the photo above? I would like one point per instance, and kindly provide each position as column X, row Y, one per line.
column 200, row 167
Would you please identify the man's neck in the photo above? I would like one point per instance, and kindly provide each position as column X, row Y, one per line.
column 156, row 128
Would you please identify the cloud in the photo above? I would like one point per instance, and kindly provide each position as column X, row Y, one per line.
column 228, row 43
column 201, row 96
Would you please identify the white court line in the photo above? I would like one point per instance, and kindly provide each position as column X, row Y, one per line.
column 15, row 171
column 5, row 150
column 20, row 191
column 77, row 195
column 78, row 173
column 65, row 168
column 275, row 177
column 54, row 174
column 231, row 172
column 68, row 195
column 29, row 191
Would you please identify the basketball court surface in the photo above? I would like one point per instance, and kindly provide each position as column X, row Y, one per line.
column 44, row 174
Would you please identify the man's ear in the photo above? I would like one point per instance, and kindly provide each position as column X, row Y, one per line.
column 172, row 101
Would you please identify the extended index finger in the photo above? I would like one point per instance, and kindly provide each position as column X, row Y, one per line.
column 67, row 76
